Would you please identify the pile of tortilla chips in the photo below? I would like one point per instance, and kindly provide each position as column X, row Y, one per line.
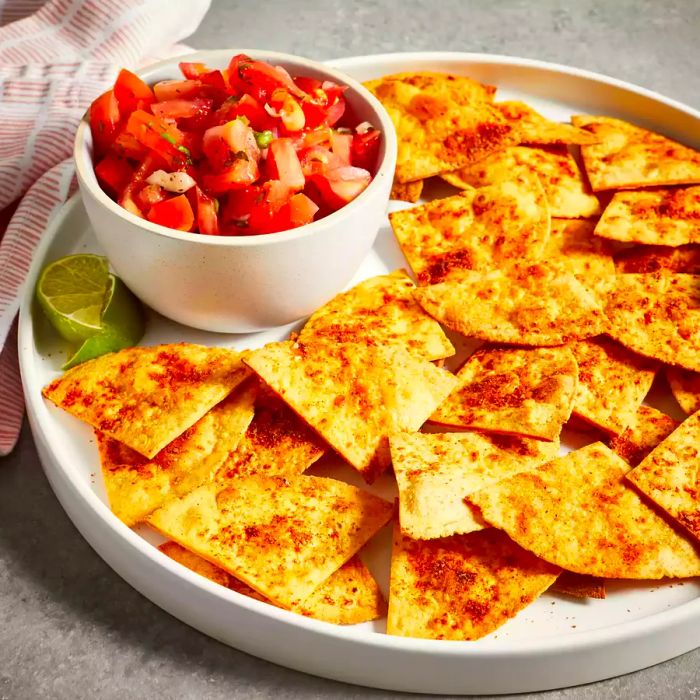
column 211, row 447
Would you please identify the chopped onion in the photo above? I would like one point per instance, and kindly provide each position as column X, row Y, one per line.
column 178, row 182
column 363, row 128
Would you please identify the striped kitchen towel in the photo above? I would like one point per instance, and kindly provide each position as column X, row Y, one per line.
column 55, row 58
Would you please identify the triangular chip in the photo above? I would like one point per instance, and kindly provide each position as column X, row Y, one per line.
column 437, row 134
column 478, row 229
column 627, row 156
column 648, row 428
column 578, row 512
column 579, row 586
column 658, row 217
column 573, row 247
column 657, row 315
column 349, row 596
column 536, row 129
column 670, row 475
column 283, row 537
column 354, row 395
column 685, row 386
column 408, row 191
column 435, row 471
column 683, row 259
column 527, row 305
column 612, row 383
column 136, row 486
column 146, row 397
column 521, row 391
column 277, row 443
column 461, row 587
column 564, row 185
column 382, row 311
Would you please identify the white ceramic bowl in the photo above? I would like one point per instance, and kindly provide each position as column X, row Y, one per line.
column 247, row 283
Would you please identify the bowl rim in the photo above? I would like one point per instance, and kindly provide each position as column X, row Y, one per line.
column 87, row 179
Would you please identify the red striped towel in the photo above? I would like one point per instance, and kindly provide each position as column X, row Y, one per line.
column 55, row 58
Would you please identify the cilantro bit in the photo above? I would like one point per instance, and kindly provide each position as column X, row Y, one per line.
column 263, row 138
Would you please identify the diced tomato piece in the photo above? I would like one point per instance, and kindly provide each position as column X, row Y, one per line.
column 301, row 209
column 132, row 92
column 283, row 164
column 192, row 141
column 241, row 174
column 318, row 160
column 308, row 85
column 158, row 135
column 149, row 195
column 235, row 213
column 229, row 143
column 151, row 162
column 207, row 216
column 126, row 145
column 176, row 89
column 174, row 213
column 289, row 110
column 182, row 109
column 342, row 185
column 247, row 107
column 104, row 118
column 214, row 79
column 259, row 79
column 341, row 145
column 114, row 174
column 365, row 150
column 192, row 71
column 335, row 111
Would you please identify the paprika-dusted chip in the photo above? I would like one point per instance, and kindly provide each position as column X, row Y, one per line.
column 648, row 428
column 627, row 156
column 146, row 397
column 573, row 247
column 612, row 383
column 354, row 395
column 685, row 386
column 282, row 536
column 408, row 191
column 461, row 587
column 525, row 305
column 536, row 129
column 382, row 311
column 653, row 258
column 578, row 512
column 478, row 229
column 579, row 586
column 521, row 391
column 435, row 471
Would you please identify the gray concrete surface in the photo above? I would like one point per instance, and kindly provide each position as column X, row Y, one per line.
column 69, row 627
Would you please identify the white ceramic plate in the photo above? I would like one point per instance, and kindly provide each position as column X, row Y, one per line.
column 555, row 642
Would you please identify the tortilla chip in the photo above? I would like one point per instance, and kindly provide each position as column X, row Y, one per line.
column 578, row 512
column 137, row 486
column 683, row 259
column 435, row 471
column 573, row 248
column 657, row 315
column 146, row 397
column 649, row 427
column 518, row 391
column 536, row 129
column 379, row 311
column 461, row 587
column 527, row 305
column 567, row 192
column 407, row 192
column 349, row 596
column 478, row 229
column 435, row 133
column 354, row 395
column 282, row 537
column 612, row 383
column 670, row 475
column 627, row 156
column 277, row 443
column 685, row 386
column 579, row 586
column 661, row 217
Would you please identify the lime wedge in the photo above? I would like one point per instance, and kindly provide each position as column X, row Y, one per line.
column 122, row 325
column 72, row 292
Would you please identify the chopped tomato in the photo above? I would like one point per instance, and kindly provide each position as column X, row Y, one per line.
column 159, row 135
column 229, row 143
column 149, row 195
column 301, row 209
column 207, row 217
column 259, row 79
column 131, row 92
column 341, row 185
column 150, row 163
column 176, row 89
column 284, row 106
column 174, row 213
column 104, row 118
column 114, row 173
column 182, row 109
column 283, row 164
column 126, row 145
column 192, row 71
column 341, row 144
column 365, row 149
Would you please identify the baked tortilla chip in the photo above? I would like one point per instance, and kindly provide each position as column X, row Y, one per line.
column 519, row 391
column 146, row 397
column 282, row 537
column 435, row 471
column 435, row 133
column 461, row 587
column 685, row 386
column 567, row 192
column 649, row 427
column 536, row 129
column 660, row 217
column 407, row 192
column 349, row 596
column 627, row 156
column 478, row 229
column 136, row 486
column 573, row 247
column 380, row 311
column 354, row 395
column 670, row 475
column 644, row 259
column 579, row 586
column 612, row 383
column 277, row 443
column 578, row 512
column 657, row 315
column 527, row 305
